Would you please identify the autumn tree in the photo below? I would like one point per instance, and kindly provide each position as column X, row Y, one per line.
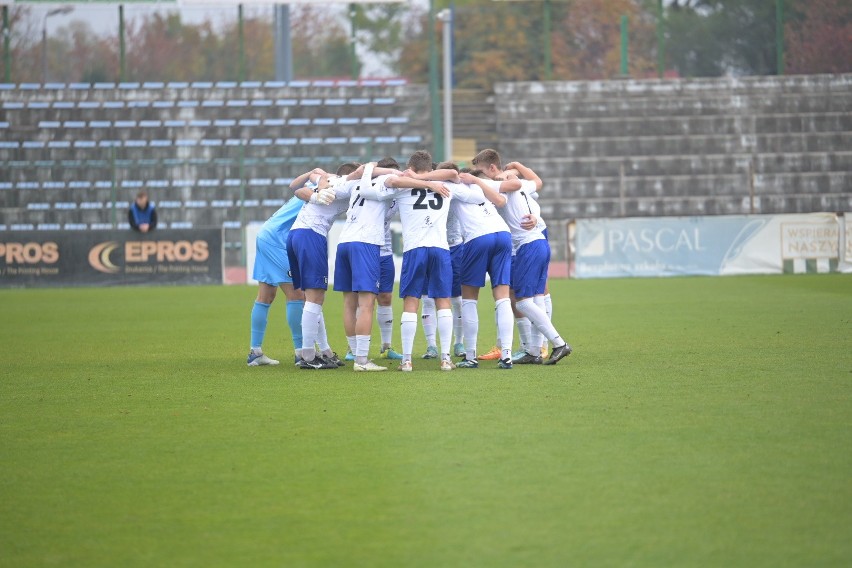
column 819, row 37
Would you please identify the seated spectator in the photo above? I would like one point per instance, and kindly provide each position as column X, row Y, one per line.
column 142, row 216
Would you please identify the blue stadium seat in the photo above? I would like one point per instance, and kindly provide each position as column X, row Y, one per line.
column 373, row 120
column 231, row 225
column 224, row 122
column 397, row 120
column 384, row 101
column 21, row 227
column 199, row 123
column 112, row 104
column 48, row 227
column 226, row 84
column 286, row 102
column 38, row 104
column 211, row 142
column 103, row 86
column 63, row 104
column 348, row 120
column 335, row 102
column 196, row 204
column 65, row 205
column 174, row 123
column 311, row 102
column 231, row 182
column 37, row 206
column 49, row 124
column 272, row 202
column 90, row 205
column 250, row 84
column 213, row 103
column 152, row 85
column 286, row 141
column 237, row 103
column 138, row 104
column 99, row 124
column 135, row 143
column 251, row 203
column 59, row 144
column 187, row 104
column 131, row 183
column 12, row 105
column 79, row 184
column 201, row 85
column 53, row 185
column 181, row 225
column 125, row 124
column 274, row 122
column 411, row 139
column 177, row 85
column 79, row 86
column 163, row 104
column 89, row 104
column 299, row 122
column 222, row 203
column 75, row 226
column 254, row 182
column 150, row 124
column 359, row 101
column 157, row 183
column 323, row 121
column 128, row 86
column 169, row 204
column 101, row 226
column 110, row 143
column 262, row 102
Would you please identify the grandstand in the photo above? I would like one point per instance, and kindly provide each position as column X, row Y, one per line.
column 73, row 156
column 685, row 147
column 222, row 154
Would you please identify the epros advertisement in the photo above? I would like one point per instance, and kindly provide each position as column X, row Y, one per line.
column 724, row 245
column 110, row 258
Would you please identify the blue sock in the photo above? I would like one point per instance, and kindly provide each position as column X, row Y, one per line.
column 259, row 316
column 294, row 320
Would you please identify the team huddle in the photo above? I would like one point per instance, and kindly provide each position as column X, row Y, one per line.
column 457, row 226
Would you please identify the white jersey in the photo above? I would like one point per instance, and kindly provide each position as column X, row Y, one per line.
column 518, row 204
column 392, row 210
column 318, row 217
column 454, row 230
column 424, row 218
column 476, row 215
column 365, row 218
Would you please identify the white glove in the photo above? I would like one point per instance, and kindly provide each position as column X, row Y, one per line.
column 324, row 196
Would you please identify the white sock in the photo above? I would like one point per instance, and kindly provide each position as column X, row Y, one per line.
column 470, row 319
column 362, row 348
column 505, row 329
column 537, row 338
column 458, row 329
column 524, row 327
column 407, row 330
column 311, row 315
column 445, row 331
column 538, row 318
column 322, row 336
column 429, row 323
column 353, row 346
column 384, row 315
column 548, row 306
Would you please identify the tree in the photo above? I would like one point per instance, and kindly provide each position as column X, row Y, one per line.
column 590, row 47
column 819, row 37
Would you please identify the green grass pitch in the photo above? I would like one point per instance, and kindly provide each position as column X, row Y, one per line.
column 699, row 422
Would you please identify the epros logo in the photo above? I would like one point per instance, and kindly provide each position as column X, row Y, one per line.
column 29, row 253
column 99, row 257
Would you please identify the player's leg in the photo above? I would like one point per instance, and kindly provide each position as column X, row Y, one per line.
column 384, row 311
column 412, row 284
column 532, row 260
column 456, row 254
column 259, row 319
column 473, row 269
column 440, row 270
column 365, row 283
column 500, row 273
column 295, row 307
column 428, row 318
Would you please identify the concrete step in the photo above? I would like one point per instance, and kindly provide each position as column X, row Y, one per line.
column 714, row 164
column 670, row 88
column 667, row 125
column 768, row 103
column 524, row 149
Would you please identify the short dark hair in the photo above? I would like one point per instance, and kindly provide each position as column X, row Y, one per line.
column 447, row 166
column 420, row 161
column 347, row 168
column 388, row 162
column 487, row 157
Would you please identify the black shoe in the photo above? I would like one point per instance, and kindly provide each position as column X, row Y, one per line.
column 528, row 359
column 558, row 353
column 504, row 364
column 316, row 363
column 334, row 359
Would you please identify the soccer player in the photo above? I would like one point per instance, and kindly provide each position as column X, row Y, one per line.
column 487, row 250
column 272, row 270
column 357, row 271
column 307, row 250
column 384, row 310
column 531, row 257
column 426, row 265
column 531, row 183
